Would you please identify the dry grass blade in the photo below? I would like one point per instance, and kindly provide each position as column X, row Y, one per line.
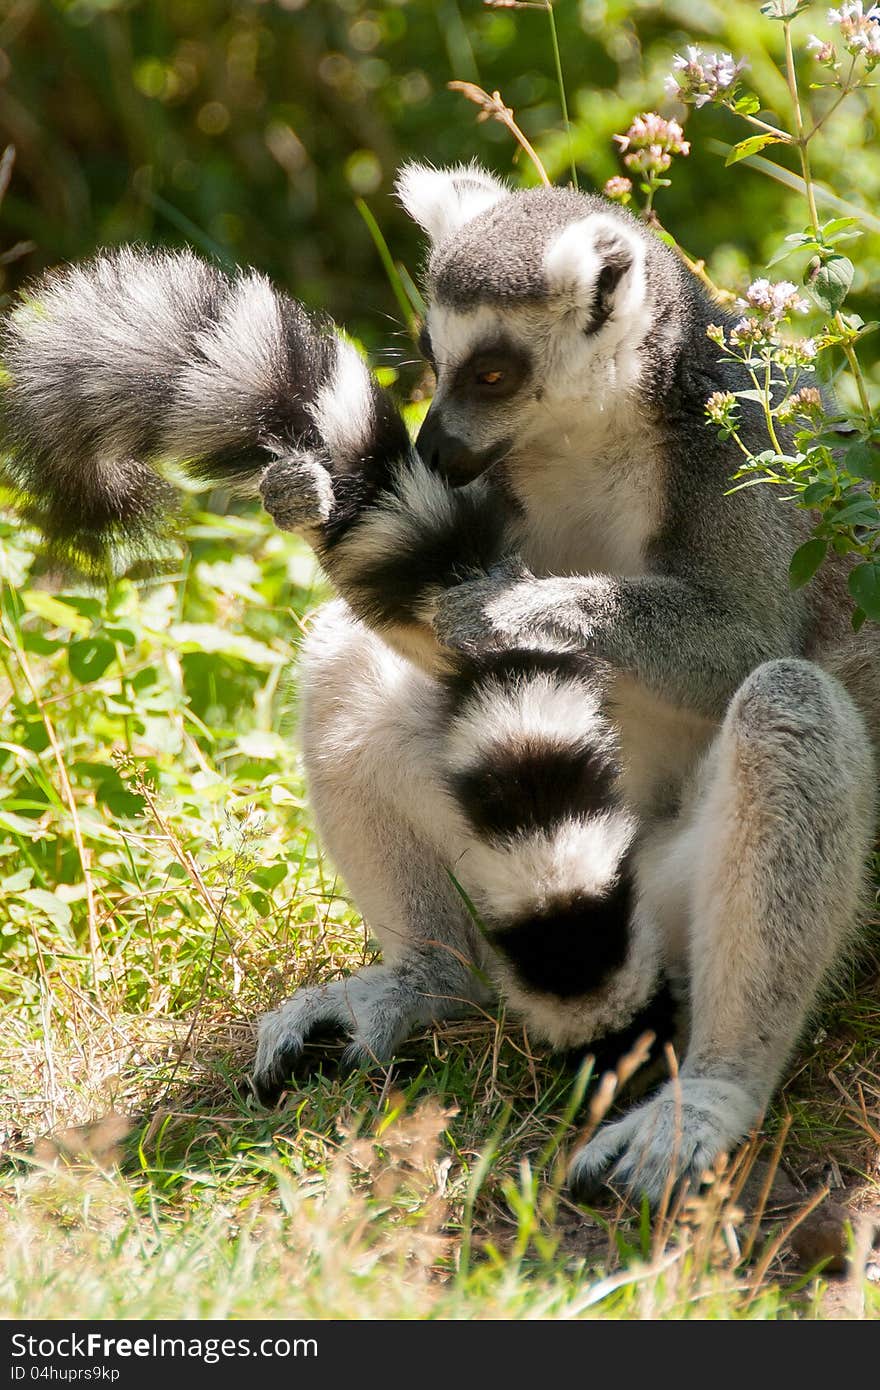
column 776, row 1245
column 492, row 108
column 7, row 161
column 766, row 1188
column 611, row 1083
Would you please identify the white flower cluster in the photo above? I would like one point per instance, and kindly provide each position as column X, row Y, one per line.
column 619, row 189
column 720, row 407
column 773, row 301
column 859, row 32
column 765, row 307
column 806, row 403
column 699, row 77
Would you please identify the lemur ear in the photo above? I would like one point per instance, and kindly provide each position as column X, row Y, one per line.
column 440, row 200
column 598, row 264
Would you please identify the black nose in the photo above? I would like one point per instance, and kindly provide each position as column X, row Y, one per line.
column 439, row 449
column 451, row 457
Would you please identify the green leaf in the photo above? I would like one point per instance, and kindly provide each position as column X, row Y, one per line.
column 747, row 105
column 270, row 875
column 784, row 9
column 54, row 611
column 861, row 512
column 864, row 585
column 751, row 146
column 751, row 395
column 863, row 461
column 206, row 638
column 56, row 910
column 805, row 561
column 800, row 243
column 831, row 283
column 121, row 633
column 19, row 825
column 17, row 881
column 816, row 492
column 865, row 328
column 838, row 224
column 89, row 658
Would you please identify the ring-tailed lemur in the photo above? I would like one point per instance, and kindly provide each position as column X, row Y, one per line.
column 566, row 674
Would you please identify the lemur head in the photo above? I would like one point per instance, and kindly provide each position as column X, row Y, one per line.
column 538, row 306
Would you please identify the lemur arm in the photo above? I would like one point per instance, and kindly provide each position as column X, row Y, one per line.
column 676, row 636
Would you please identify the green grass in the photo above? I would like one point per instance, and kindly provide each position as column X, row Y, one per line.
column 147, row 751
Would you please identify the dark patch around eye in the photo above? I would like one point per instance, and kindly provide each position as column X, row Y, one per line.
column 511, row 362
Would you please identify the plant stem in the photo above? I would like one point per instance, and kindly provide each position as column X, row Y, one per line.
column 548, row 5
column 781, row 135
column 765, row 403
column 802, row 141
column 844, row 92
column 390, row 268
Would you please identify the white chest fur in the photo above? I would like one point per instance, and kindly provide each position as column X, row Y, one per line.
column 593, row 500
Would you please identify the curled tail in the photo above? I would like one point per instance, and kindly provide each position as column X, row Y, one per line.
column 533, row 766
column 139, row 359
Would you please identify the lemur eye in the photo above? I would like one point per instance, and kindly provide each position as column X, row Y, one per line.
column 493, row 373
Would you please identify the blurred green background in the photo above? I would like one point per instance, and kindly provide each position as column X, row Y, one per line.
column 248, row 129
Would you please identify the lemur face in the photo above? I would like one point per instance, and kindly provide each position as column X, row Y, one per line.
column 537, row 309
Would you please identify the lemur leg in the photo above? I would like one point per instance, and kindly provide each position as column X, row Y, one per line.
column 776, row 841
column 372, row 731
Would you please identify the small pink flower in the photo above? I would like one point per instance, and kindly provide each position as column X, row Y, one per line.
column 719, row 407
column 618, row 189
column 650, row 143
column 822, row 50
column 807, row 403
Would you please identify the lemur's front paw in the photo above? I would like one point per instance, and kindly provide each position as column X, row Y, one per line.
column 667, row 1142
column 370, row 1013
column 494, row 608
column 297, row 492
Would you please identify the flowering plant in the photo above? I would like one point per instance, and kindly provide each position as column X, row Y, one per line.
column 827, row 458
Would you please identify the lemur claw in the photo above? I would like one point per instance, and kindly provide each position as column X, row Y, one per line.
column 297, row 492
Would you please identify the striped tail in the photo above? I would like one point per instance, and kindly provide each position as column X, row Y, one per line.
column 533, row 766
column 139, row 359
